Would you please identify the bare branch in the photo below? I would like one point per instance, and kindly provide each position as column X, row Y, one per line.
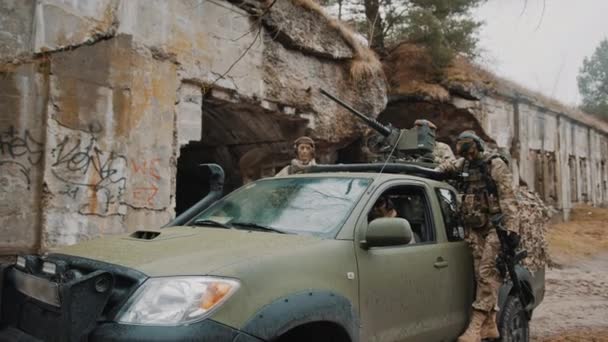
column 255, row 39
column 542, row 15
column 523, row 10
column 559, row 75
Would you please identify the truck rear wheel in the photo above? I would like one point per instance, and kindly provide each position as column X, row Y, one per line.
column 514, row 325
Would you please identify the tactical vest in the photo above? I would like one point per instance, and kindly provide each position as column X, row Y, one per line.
column 480, row 194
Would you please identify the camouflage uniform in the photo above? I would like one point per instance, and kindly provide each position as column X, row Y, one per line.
column 534, row 218
column 478, row 205
column 442, row 153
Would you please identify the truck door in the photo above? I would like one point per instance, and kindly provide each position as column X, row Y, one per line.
column 400, row 285
column 458, row 278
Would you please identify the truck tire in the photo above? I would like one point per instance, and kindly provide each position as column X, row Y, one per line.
column 317, row 332
column 514, row 325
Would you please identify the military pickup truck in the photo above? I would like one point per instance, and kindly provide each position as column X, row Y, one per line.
column 297, row 258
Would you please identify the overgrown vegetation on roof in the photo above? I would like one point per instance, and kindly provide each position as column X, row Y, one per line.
column 446, row 28
column 410, row 74
column 365, row 63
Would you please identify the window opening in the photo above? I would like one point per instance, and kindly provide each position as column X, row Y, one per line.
column 573, row 178
column 584, row 184
column 410, row 203
column 451, row 218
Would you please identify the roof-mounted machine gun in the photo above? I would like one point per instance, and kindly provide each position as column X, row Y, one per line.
column 401, row 145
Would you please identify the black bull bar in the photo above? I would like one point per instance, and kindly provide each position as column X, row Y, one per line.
column 50, row 310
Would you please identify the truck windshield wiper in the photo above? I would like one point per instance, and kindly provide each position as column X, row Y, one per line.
column 256, row 226
column 205, row 222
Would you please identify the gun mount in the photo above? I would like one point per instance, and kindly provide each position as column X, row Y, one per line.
column 398, row 145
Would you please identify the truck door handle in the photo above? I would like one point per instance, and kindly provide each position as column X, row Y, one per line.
column 440, row 263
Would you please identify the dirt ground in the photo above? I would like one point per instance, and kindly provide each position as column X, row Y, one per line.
column 575, row 307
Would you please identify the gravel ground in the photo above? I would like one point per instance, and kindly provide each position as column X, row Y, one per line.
column 575, row 307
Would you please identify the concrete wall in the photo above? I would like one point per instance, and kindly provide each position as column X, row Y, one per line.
column 98, row 97
column 23, row 99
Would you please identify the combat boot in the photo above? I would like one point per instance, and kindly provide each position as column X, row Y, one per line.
column 489, row 330
column 472, row 334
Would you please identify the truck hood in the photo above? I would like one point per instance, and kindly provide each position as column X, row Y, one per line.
column 187, row 250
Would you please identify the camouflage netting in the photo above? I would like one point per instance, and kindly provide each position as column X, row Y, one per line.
column 534, row 218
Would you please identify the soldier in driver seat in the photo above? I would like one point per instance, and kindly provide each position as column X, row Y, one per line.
column 384, row 207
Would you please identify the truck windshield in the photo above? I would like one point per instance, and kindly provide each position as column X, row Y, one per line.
column 293, row 205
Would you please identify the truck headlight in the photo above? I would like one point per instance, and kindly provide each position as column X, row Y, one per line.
column 176, row 300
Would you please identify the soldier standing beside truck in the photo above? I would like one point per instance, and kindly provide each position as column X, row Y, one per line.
column 487, row 192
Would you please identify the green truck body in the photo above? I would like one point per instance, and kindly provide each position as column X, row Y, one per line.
column 332, row 283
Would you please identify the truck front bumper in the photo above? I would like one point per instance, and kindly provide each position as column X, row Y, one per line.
column 207, row 330
column 39, row 307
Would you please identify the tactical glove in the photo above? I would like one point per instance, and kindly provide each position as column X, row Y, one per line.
column 512, row 240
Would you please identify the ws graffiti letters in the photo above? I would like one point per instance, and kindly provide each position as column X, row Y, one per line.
column 146, row 185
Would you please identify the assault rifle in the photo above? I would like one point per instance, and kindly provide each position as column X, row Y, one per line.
column 509, row 257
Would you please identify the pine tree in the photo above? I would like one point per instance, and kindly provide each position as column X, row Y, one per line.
column 446, row 27
column 593, row 82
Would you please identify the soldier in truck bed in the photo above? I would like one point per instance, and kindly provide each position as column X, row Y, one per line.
column 304, row 149
column 486, row 190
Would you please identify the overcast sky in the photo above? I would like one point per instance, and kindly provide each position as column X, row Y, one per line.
column 542, row 52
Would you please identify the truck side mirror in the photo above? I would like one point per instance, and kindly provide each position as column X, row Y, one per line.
column 387, row 231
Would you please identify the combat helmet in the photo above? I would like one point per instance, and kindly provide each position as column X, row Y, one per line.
column 471, row 135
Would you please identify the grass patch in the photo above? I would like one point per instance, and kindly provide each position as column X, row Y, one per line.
column 585, row 235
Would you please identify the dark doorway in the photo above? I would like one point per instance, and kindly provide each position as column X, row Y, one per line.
column 192, row 179
column 230, row 130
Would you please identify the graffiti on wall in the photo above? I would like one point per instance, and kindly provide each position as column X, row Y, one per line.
column 19, row 153
column 91, row 176
column 146, row 187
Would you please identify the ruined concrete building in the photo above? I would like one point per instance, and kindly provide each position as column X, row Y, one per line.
column 109, row 106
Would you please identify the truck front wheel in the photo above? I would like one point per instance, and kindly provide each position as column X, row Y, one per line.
column 317, row 332
column 514, row 325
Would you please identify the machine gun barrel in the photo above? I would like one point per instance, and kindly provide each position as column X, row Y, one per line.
column 373, row 123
